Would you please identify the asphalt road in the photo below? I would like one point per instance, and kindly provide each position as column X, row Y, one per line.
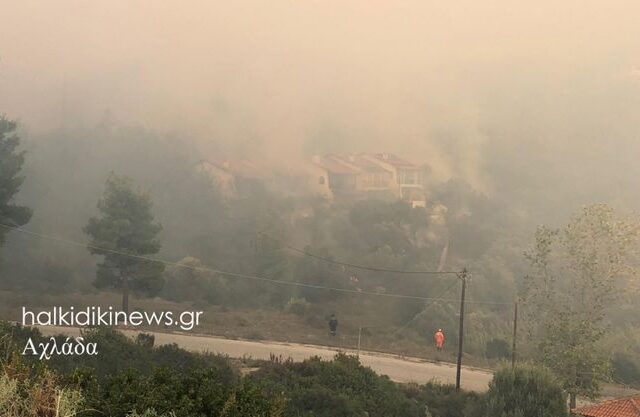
column 400, row 369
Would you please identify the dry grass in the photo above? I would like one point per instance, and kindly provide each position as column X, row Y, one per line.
column 21, row 396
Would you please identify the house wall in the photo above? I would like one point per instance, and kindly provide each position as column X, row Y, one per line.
column 223, row 180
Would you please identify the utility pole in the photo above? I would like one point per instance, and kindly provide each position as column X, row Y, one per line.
column 515, row 335
column 463, row 277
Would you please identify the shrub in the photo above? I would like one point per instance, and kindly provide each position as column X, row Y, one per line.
column 625, row 369
column 526, row 391
column 150, row 412
column 442, row 400
column 25, row 395
column 193, row 392
column 249, row 400
column 145, row 339
column 497, row 349
column 338, row 388
column 297, row 306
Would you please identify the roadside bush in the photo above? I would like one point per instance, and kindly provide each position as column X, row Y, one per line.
column 339, row 388
column 442, row 400
column 146, row 340
column 526, row 391
column 497, row 349
column 197, row 392
column 117, row 353
column 249, row 400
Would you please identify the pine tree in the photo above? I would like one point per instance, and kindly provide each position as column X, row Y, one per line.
column 11, row 161
column 125, row 234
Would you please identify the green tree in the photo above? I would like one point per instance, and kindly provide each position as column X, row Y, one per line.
column 525, row 391
column 11, row 161
column 574, row 277
column 125, row 234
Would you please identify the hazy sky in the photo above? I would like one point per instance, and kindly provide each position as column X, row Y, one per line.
column 433, row 80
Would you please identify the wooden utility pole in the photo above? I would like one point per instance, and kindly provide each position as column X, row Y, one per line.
column 463, row 277
column 515, row 335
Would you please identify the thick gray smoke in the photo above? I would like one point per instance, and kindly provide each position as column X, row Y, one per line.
column 517, row 98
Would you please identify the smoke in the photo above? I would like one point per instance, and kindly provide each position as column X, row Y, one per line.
column 510, row 96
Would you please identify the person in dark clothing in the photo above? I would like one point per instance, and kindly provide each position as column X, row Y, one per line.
column 333, row 325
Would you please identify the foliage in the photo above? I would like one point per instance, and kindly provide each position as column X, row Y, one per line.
column 249, row 400
column 150, row 412
column 440, row 400
column 131, row 379
column 24, row 393
column 298, row 306
column 10, row 179
column 187, row 393
column 191, row 281
column 125, row 233
column 470, row 223
column 625, row 369
column 145, row 339
column 117, row 353
column 342, row 387
column 497, row 349
column 574, row 276
column 525, row 391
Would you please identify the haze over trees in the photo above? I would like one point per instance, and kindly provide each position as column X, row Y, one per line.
column 125, row 234
column 518, row 114
column 251, row 234
column 578, row 273
column 11, row 161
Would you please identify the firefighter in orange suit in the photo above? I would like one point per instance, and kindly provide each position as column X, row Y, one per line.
column 438, row 338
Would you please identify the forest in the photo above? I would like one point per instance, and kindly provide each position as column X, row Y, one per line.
column 256, row 255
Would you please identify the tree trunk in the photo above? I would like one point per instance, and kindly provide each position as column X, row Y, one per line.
column 572, row 400
column 125, row 295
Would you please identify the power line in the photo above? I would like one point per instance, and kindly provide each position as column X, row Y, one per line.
column 439, row 298
column 356, row 266
column 228, row 273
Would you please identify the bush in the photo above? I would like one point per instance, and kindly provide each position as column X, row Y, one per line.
column 339, row 388
column 497, row 349
column 249, row 400
column 525, row 391
column 625, row 369
column 150, row 412
column 23, row 394
column 442, row 400
column 145, row 340
column 188, row 393
column 297, row 306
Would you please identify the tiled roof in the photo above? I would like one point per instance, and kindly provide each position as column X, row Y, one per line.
column 348, row 164
column 621, row 407
column 366, row 165
column 394, row 160
column 333, row 164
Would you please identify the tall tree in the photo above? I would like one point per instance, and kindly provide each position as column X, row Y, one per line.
column 125, row 234
column 575, row 274
column 11, row 161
